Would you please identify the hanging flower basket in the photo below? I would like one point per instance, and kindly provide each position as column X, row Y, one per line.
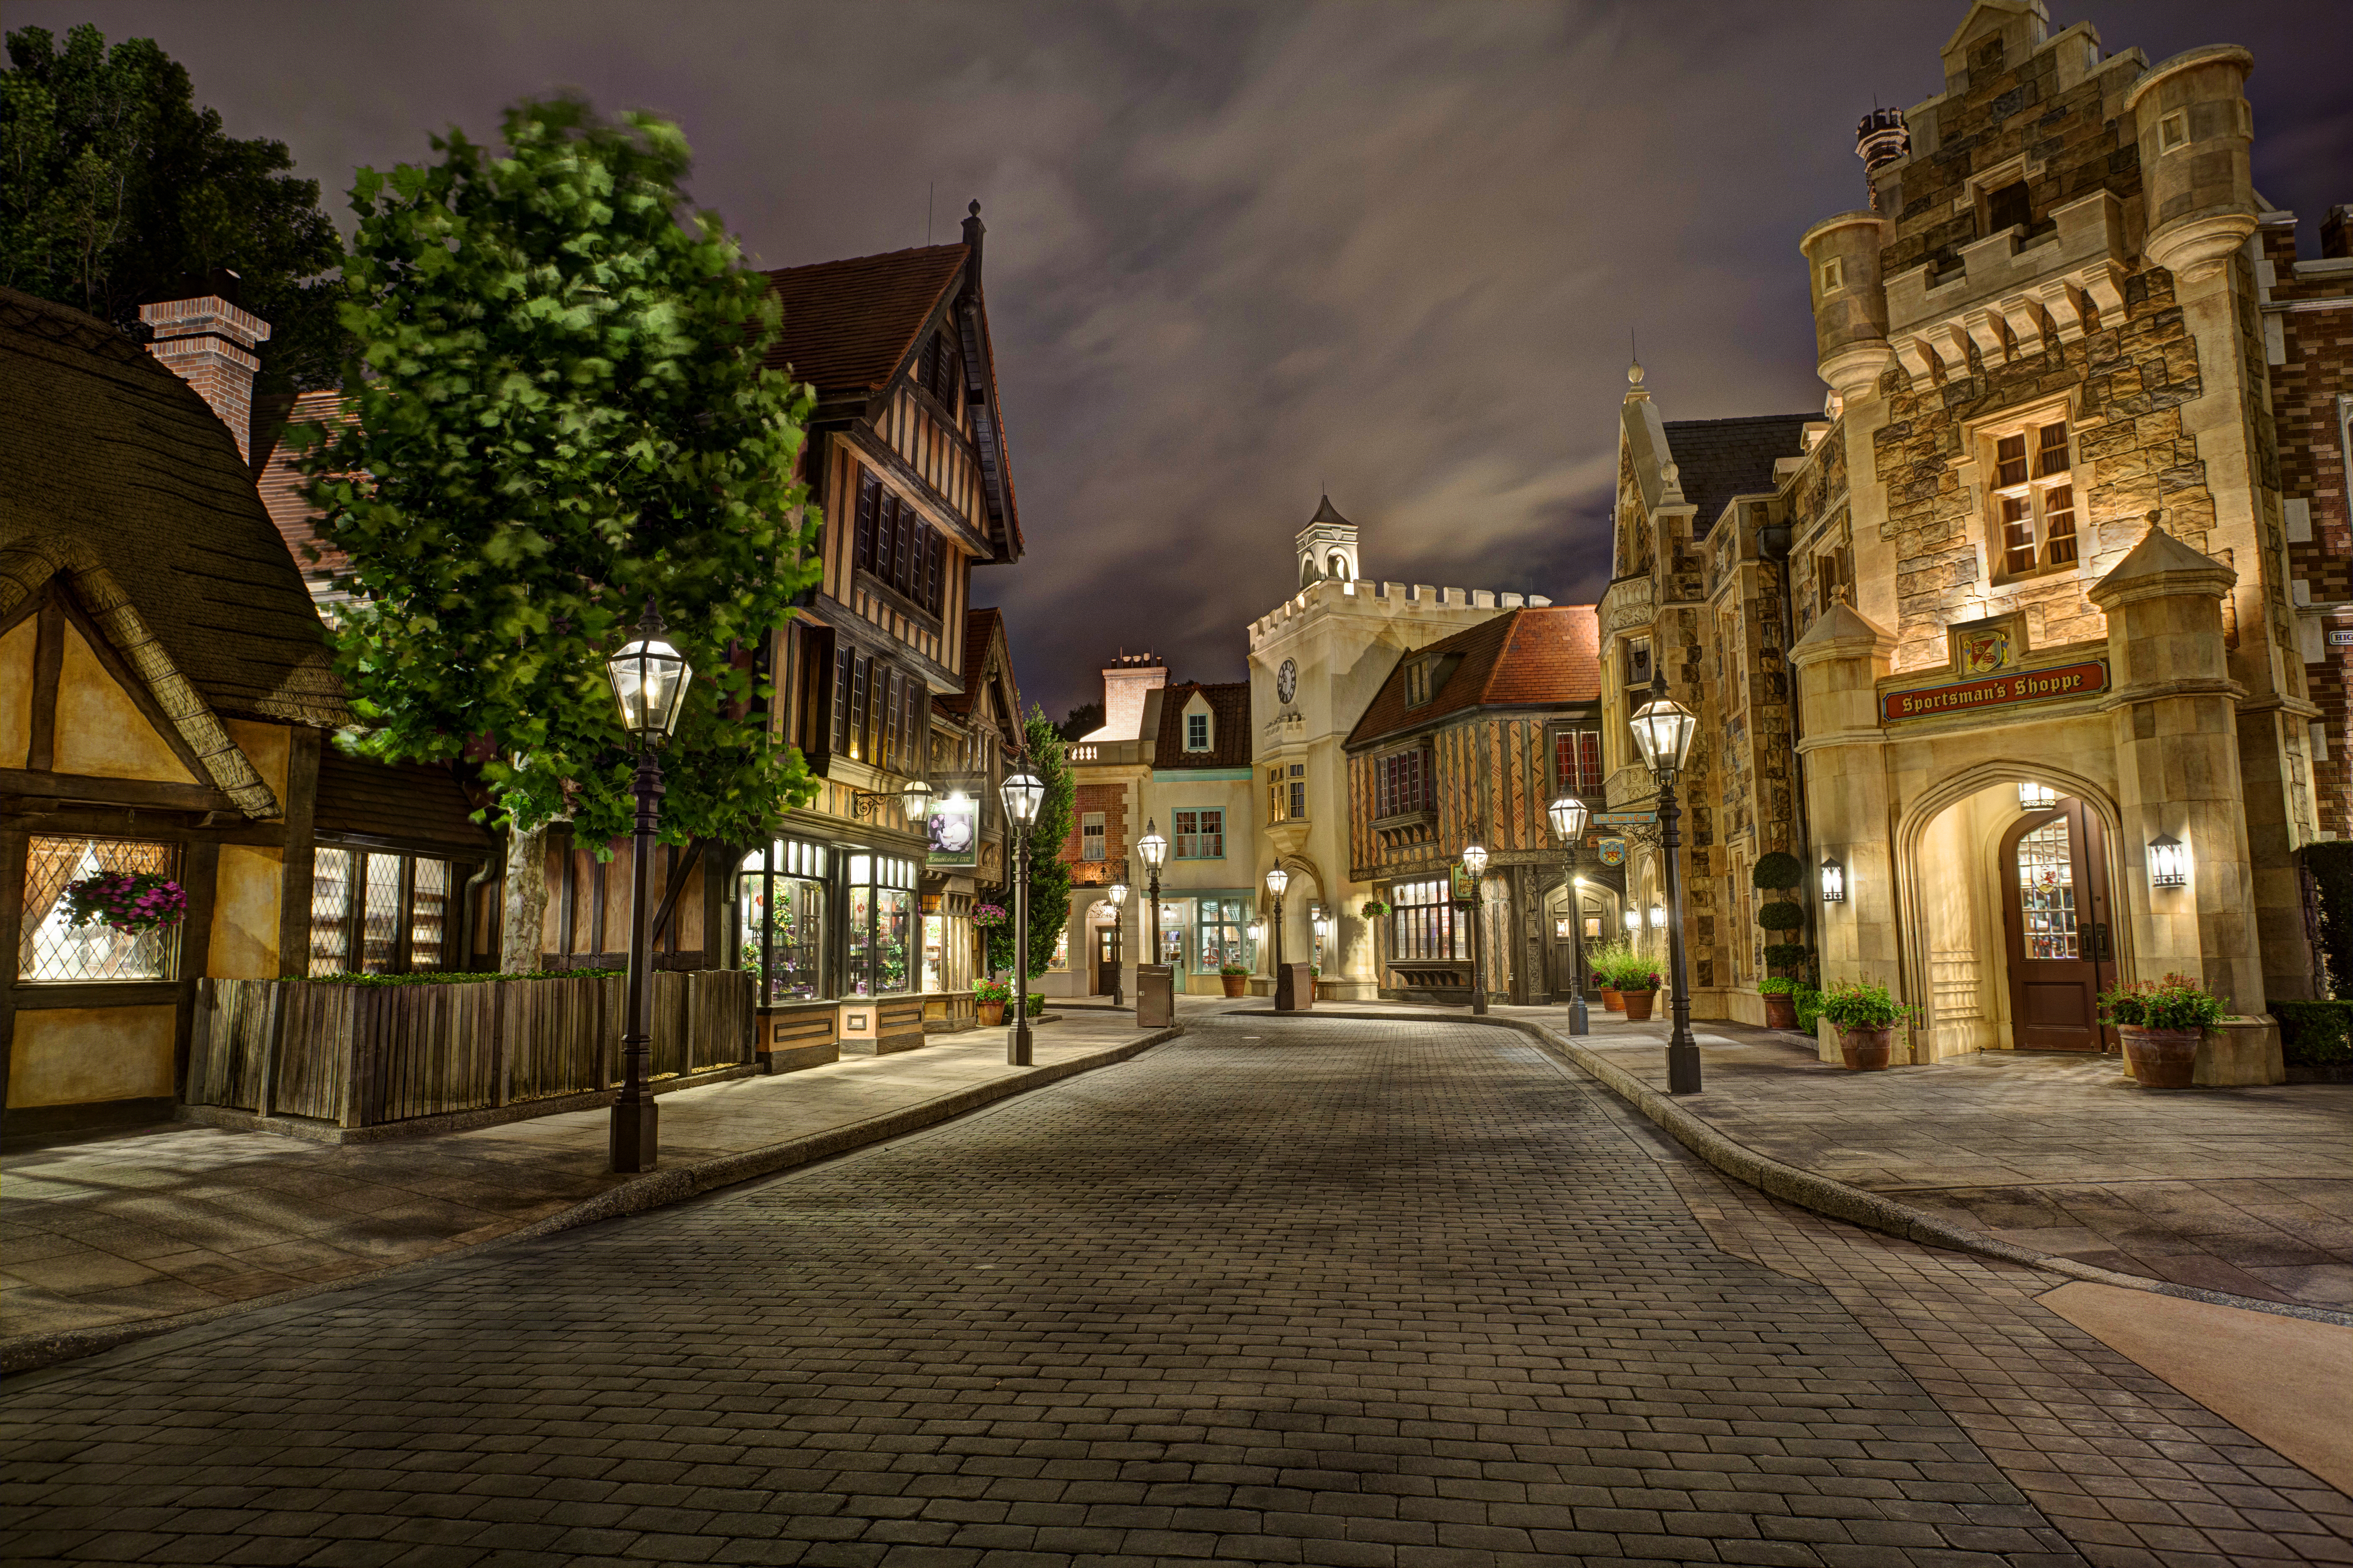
column 130, row 902
column 987, row 915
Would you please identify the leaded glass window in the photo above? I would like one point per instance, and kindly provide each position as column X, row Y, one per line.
column 1423, row 924
column 51, row 950
column 2046, row 891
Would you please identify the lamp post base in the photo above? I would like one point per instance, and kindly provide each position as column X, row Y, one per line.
column 637, row 1144
column 1577, row 1023
column 1017, row 1045
column 1683, row 1066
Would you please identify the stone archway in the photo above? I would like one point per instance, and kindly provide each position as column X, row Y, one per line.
column 1953, row 887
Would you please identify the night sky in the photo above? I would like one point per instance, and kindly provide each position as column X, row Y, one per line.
column 1241, row 254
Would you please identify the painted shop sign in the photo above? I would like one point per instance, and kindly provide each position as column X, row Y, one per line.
column 1996, row 691
column 1624, row 818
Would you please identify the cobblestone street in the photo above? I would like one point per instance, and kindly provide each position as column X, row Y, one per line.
column 1282, row 1290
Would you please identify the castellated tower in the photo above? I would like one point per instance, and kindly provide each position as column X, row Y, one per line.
column 1328, row 547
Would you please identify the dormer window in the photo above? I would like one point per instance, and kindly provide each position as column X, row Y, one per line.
column 1417, row 683
column 1196, row 731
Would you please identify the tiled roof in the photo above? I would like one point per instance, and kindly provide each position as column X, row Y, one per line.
column 849, row 325
column 281, row 486
column 1538, row 657
column 416, row 806
column 108, row 456
column 979, row 627
column 1720, row 458
column 1229, row 731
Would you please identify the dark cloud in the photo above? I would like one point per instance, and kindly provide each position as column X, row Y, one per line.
column 1238, row 253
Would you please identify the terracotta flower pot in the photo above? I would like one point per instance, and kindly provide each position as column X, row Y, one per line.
column 1865, row 1050
column 991, row 1012
column 2160, row 1059
column 1614, row 1001
column 1235, row 984
column 1780, row 1010
column 1638, row 1005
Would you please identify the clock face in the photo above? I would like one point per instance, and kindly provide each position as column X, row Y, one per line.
column 1286, row 680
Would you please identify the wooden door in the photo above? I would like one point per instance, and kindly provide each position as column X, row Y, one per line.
column 2055, row 920
column 1105, row 958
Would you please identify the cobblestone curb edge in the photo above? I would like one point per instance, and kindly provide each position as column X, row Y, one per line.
column 1826, row 1195
column 31, row 1352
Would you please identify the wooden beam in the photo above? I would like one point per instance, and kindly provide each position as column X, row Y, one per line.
column 98, row 993
column 682, row 867
column 298, row 874
column 13, row 843
column 48, row 662
column 85, row 788
column 200, row 875
column 51, row 816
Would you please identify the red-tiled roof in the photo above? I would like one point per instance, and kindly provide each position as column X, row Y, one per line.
column 281, row 486
column 850, row 324
column 1229, row 738
column 1536, row 656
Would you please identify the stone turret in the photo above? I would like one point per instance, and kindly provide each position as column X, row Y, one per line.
column 1328, row 547
column 2195, row 129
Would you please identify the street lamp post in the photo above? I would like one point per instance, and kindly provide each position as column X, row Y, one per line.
column 1276, row 881
column 1474, row 861
column 1023, row 793
column 649, row 680
column 1155, row 850
column 1568, row 819
column 1117, row 893
column 1663, row 733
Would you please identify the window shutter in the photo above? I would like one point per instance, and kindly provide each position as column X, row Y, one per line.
column 840, row 716
column 934, row 564
column 909, row 574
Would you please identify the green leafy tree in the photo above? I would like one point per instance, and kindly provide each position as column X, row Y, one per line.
column 114, row 185
column 1050, row 877
column 562, row 415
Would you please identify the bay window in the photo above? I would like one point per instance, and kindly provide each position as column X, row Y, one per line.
column 1423, row 924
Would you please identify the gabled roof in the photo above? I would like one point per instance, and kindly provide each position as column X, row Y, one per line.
column 985, row 648
column 115, row 469
column 850, row 324
column 1229, row 726
column 1720, row 458
column 1533, row 658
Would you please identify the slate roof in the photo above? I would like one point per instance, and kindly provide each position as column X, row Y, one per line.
column 849, row 325
column 109, row 459
column 1538, row 657
column 416, row 806
column 1721, row 458
column 1229, row 726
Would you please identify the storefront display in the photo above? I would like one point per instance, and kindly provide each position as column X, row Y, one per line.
column 880, row 916
column 1223, row 932
column 780, row 899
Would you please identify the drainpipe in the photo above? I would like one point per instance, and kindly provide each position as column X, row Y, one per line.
column 493, row 866
column 1773, row 543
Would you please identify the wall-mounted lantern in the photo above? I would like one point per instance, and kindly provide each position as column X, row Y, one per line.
column 2169, row 862
column 1657, row 917
column 1633, row 920
column 1833, row 880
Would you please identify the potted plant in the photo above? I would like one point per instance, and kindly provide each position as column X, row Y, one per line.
column 1781, row 994
column 1629, row 973
column 1603, row 980
column 2161, row 1026
column 1235, row 977
column 132, row 902
column 990, row 997
column 1866, row 1017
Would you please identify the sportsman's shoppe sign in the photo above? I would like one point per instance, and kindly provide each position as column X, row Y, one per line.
column 2008, row 691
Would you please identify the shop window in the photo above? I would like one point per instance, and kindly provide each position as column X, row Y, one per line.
column 780, row 902
column 1576, row 764
column 1173, row 917
column 936, row 953
column 1199, row 834
column 1090, row 836
column 1224, row 932
column 881, row 909
column 51, row 950
column 376, row 913
column 1062, row 954
column 1401, row 782
column 2033, row 497
column 1423, row 924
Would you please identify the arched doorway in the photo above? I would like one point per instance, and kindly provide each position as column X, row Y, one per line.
column 1596, row 904
column 2056, row 926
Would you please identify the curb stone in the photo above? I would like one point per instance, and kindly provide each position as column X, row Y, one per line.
column 657, row 1189
column 1826, row 1194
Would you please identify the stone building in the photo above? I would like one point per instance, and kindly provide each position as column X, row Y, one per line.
column 2031, row 570
column 1316, row 661
column 1469, row 741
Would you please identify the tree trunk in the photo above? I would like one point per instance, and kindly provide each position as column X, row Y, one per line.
column 523, row 917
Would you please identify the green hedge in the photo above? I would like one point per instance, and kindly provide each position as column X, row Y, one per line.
column 1809, row 1003
column 2331, row 866
column 2315, row 1034
column 443, row 977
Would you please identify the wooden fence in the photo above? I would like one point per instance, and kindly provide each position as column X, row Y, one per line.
column 360, row 1055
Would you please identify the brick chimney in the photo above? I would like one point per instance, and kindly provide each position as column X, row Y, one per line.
column 208, row 342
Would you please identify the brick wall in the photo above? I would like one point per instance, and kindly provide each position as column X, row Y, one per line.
column 1110, row 799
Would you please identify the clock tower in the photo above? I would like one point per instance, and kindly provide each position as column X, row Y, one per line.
column 1317, row 662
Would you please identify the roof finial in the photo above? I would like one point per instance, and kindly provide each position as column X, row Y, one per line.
column 1633, row 361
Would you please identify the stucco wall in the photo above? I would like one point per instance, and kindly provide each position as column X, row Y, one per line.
column 100, row 730
column 83, row 1056
column 244, row 913
column 17, row 694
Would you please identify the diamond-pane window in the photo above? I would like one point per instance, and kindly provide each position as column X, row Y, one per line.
column 52, row 950
column 380, row 924
column 331, row 909
column 428, row 914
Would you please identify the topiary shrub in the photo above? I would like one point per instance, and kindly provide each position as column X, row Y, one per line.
column 1778, row 870
column 1781, row 916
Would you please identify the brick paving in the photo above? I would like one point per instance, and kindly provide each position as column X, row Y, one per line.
column 180, row 1219
column 1401, row 1295
column 2248, row 1191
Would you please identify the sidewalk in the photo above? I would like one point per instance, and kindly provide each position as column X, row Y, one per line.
column 109, row 1239
column 2243, row 1191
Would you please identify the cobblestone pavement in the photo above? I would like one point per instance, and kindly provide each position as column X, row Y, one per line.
column 2248, row 1191
column 1289, row 1292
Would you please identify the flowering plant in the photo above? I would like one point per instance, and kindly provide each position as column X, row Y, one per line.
column 987, row 915
column 131, row 901
column 2176, row 1002
column 991, row 991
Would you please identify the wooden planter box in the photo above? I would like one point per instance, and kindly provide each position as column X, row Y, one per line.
column 364, row 1056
